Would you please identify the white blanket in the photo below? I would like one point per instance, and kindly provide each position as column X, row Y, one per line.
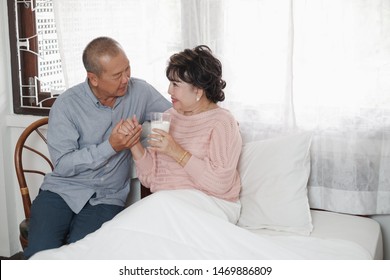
column 187, row 224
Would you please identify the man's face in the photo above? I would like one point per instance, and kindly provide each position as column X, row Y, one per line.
column 113, row 81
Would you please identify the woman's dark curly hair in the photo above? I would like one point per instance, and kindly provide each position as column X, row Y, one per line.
column 200, row 68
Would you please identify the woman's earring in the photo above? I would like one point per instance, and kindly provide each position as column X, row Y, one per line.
column 197, row 98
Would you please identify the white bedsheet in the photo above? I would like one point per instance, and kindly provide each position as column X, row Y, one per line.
column 187, row 224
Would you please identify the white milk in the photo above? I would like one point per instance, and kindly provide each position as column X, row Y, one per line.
column 163, row 125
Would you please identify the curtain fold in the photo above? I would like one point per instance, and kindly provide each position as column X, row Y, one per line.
column 341, row 93
column 290, row 65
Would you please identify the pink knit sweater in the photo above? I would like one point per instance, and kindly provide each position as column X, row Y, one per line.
column 214, row 140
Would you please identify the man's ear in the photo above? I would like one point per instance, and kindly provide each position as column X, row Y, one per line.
column 93, row 79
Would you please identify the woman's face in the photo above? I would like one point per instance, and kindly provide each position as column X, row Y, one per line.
column 183, row 95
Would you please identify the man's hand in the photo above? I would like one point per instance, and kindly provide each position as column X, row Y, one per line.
column 125, row 134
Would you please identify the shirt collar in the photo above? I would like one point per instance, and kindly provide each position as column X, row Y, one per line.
column 94, row 98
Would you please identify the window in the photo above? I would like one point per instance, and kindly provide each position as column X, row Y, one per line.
column 37, row 75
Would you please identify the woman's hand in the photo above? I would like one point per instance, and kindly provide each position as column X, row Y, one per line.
column 131, row 127
column 132, row 130
column 163, row 142
column 120, row 141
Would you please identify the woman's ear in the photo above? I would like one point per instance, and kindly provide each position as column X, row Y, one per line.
column 199, row 93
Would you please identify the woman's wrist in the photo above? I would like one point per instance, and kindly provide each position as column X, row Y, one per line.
column 137, row 151
column 184, row 157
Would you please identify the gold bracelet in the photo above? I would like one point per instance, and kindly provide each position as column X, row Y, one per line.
column 182, row 157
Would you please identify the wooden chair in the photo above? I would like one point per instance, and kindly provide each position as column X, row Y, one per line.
column 144, row 191
column 21, row 149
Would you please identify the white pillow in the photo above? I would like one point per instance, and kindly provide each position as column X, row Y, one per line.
column 274, row 174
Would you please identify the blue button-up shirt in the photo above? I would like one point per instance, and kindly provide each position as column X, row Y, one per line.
column 86, row 167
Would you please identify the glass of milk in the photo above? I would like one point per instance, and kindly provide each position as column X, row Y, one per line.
column 160, row 121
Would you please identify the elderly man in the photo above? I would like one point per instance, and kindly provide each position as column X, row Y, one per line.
column 92, row 159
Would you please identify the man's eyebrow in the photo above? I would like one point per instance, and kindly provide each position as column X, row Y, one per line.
column 120, row 72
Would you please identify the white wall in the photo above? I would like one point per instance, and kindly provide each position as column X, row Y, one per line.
column 5, row 84
column 384, row 221
column 11, row 209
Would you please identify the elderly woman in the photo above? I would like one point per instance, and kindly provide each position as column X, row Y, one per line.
column 202, row 149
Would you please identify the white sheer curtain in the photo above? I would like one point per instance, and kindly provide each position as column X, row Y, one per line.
column 321, row 66
column 147, row 30
column 342, row 93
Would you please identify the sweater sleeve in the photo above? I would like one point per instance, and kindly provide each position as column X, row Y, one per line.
column 145, row 168
column 217, row 173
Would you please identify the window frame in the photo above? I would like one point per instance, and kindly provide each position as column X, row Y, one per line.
column 22, row 24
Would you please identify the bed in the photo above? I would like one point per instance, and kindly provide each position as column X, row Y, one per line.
column 276, row 222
